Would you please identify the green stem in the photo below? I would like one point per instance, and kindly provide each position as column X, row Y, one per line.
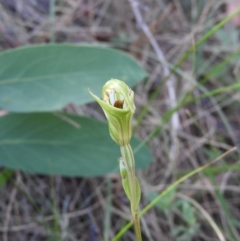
column 129, row 163
column 137, row 226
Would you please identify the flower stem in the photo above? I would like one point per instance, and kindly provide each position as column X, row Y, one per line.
column 129, row 163
column 137, row 226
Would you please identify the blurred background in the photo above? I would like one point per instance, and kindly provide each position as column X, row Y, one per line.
column 187, row 118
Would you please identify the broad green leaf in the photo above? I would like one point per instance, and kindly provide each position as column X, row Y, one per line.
column 48, row 77
column 61, row 145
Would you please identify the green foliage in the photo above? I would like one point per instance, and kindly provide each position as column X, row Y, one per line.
column 126, row 183
column 138, row 191
column 125, row 179
column 5, row 176
column 47, row 78
column 68, row 145
column 186, row 210
column 168, row 207
column 164, row 203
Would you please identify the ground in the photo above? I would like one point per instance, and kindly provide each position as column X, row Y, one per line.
column 192, row 117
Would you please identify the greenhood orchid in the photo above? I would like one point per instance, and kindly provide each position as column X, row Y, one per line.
column 118, row 105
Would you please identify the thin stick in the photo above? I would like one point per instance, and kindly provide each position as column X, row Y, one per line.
column 162, row 60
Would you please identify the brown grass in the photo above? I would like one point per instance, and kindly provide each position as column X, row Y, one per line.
column 199, row 134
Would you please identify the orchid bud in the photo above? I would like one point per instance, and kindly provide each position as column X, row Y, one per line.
column 118, row 106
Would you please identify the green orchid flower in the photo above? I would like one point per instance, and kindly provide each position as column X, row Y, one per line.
column 118, row 106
